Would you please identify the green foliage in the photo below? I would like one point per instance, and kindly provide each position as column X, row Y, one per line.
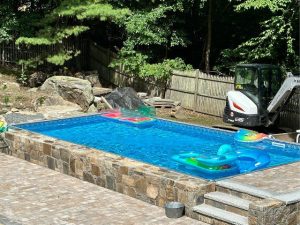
column 69, row 19
column 6, row 100
column 7, row 23
column 273, row 5
column 152, row 28
column 34, row 41
column 275, row 43
column 51, row 35
column 162, row 71
column 150, row 36
column 87, row 9
column 137, row 64
column 19, row 18
column 61, row 57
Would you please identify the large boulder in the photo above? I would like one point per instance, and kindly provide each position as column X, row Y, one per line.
column 59, row 111
column 52, row 100
column 124, row 97
column 71, row 89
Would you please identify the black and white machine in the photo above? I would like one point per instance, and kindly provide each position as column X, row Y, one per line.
column 259, row 95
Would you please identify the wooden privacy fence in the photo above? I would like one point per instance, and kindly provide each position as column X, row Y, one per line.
column 196, row 90
column 290, row 116
column 206, row 94
column 100, row 59
column 200, row 92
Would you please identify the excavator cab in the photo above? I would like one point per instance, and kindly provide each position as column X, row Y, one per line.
column 255, row 85
column 259, row 82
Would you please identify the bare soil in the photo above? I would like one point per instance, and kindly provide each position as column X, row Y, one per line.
column 13, row 95
column 192, row 117
column 22, row 98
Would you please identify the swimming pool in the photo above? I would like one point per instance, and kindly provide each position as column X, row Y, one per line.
column 158, row 143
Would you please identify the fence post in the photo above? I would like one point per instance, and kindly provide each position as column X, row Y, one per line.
column 196, row 90
column 2, row 54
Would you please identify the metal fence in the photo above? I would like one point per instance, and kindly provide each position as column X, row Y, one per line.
column 12, row 53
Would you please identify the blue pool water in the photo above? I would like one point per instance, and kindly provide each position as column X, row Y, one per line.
column 158, row 143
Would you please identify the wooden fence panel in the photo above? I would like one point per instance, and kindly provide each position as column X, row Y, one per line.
column 100, row 59
column 200, row 92
column 290, row 116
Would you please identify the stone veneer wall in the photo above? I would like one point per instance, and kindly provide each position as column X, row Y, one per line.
column 139, row 180
column 274, row 212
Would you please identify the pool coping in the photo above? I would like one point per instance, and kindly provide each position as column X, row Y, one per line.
column 269, row 137
column 288, row 197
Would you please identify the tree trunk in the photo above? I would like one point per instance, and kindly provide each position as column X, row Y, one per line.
column 208, row 42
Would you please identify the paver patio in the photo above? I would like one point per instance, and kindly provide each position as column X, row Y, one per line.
column 31, row 194
column 279, row 180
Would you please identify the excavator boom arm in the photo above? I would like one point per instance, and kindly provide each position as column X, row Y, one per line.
column 283, row 93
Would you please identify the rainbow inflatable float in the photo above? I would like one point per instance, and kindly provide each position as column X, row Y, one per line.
column 227, row 161
column 224, row 163
column 244, row 135
column 128, row 117
column 3, row 126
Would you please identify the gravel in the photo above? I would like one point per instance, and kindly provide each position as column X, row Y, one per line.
column 13, row 118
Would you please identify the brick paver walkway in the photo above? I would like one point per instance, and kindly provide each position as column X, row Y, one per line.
column 31, row 194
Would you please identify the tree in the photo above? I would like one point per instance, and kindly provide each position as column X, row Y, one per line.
column 68, row 20
column 152, row 30
column 208, row 40
column 276, row 42
column 19, row 17
column 154, row 37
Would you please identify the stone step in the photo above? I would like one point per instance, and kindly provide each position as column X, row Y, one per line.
column 214, row 215
column 243, row 191
column 227, row 202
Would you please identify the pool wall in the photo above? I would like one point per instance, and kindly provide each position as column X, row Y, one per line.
column 139, row 180
column 136, row 179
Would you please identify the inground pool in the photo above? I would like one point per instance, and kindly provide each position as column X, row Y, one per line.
column 159, row 143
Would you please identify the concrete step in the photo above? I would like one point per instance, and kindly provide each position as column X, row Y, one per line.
column 227, row 202
column 214, row 215
column 242, row 191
